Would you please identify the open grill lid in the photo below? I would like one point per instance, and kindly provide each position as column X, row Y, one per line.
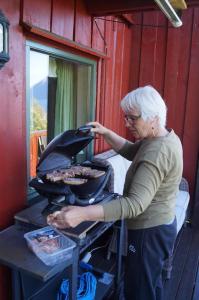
column 59, row 152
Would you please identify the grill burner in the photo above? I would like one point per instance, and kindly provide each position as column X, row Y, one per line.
column 56, row 161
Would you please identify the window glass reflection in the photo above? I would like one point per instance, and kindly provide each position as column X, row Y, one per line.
column 60, row 93
column 1, row 38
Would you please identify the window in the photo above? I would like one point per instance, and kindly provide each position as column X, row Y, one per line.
column 60, row 96
column 1, row 38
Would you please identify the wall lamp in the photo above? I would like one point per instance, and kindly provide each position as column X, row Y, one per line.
column 4, row 40
column 170, row 12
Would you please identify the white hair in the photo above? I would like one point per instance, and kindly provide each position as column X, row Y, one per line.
column 148, row 102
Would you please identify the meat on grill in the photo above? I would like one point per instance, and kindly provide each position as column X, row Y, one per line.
column 74, row 174
column 75, row 181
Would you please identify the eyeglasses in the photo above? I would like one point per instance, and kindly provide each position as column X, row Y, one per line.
column 131, row 119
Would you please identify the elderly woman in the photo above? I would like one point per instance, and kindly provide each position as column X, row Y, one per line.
column 148, row 200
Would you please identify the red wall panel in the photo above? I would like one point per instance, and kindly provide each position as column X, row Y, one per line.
column 107, row 80
column 191, row 126
column 167, row 58
column 126, row 74
column 115, row 77
column 98, row 34
column 12, row 132
column 63, row 13
column 171, row 73
column 13, row 127
column 116, row 116
column 37, row 12
column 113, row 102
column 82, row 24
column 160, row 48
column 136, row 50
column 149, row 42
column 183, row 76
column 127, row 60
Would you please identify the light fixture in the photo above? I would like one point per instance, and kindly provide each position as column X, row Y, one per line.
column 4, row 39
column 169, row 11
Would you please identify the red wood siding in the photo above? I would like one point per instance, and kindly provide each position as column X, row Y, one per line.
column 115, row 78
column 38, row 13
column 82, row 24
column 149, row 43
column 191, row 124
column 12, row 132
column 64, row 11
column 98, row 35
column 13, row 126
column 160, row 61
column 168, row 59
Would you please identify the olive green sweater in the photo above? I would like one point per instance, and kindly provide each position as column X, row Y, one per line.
column 151, row 184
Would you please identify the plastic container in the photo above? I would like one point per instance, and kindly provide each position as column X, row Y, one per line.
column 49, row 245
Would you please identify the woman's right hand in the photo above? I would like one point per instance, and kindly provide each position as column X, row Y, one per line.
column 98, row 128
column 113, row 139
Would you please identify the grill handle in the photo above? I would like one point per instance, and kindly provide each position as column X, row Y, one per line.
column 85, row 129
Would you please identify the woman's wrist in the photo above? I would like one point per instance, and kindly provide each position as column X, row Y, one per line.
column 93, row 213
column 106, row 133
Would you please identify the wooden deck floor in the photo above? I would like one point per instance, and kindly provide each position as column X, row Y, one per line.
column 184, row 281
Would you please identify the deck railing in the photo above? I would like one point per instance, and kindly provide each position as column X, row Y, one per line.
column 38, row 142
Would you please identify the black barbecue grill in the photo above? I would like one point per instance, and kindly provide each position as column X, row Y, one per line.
column 58, row 155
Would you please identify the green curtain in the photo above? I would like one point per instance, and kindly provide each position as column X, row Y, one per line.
column 65, row 108
column 83, row 79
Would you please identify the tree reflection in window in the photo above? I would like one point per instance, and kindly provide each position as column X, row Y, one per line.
column 60, row 93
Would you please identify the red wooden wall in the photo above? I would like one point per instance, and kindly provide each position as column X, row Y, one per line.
column 164, row 57
column 69, row 20
column 12, row 132
column 168, row 59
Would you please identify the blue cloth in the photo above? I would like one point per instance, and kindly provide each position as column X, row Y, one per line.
column 87, row 284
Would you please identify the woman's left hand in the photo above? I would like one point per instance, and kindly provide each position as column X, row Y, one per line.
column 69, row 216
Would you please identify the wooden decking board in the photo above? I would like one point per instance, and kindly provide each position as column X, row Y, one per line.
column 196, row 289
column 187, row 283
column 184, row 282
column 179, row 262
